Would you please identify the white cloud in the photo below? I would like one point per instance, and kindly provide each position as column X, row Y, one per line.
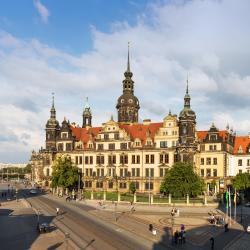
column 42, row 10
column 208, row 39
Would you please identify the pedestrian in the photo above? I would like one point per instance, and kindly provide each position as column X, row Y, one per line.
column 184, row 237
column 226, row 227
column 212, row 242
column 180, row 237
column 57, row 211
column 176, row 234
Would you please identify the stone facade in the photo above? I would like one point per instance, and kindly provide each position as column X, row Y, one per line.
column 120, row 152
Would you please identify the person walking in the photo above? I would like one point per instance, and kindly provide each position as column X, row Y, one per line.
column 212, row 242
column 57, row 211
column 184, row 237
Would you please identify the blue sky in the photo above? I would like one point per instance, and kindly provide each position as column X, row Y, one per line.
column 78, row 49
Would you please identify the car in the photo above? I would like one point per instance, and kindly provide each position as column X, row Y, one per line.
column 33, row 191
column 247, row 204
column 248, row 228
column 43, row 227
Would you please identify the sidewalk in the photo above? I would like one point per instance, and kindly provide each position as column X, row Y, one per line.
column 18, row 224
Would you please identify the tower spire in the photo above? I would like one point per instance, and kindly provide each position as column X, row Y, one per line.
column 53, row 110
column 187, row 85
column 128, row 63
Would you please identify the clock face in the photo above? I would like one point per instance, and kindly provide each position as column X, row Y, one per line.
column 130, row 101
column 122, row 100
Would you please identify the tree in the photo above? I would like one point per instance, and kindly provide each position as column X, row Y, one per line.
column 65, row 173
column 241, row 181
column 181, row 180
column 132, row 187
column 27, row 169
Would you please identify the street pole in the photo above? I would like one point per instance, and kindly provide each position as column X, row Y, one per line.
column 7, row 175
column 235, row 198
column 230, row 208
column 149, row 186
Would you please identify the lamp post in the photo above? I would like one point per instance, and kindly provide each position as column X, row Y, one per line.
column 149, row 187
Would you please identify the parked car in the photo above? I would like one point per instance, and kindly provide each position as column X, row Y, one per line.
column 33, row 191
column 248, row 228
column 247, row 204
column 43, row 227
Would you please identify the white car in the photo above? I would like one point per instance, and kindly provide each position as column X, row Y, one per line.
column 248, row 228
column 33, row 191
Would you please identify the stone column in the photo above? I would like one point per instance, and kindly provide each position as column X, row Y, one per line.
column 151, row 198
column 104, row 195
column 187, row 199
column 92, row 195
column 135, row 197
column 205, row 199
column 119, row 197
column 169, row 199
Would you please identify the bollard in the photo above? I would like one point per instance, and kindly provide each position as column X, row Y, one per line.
column 169, row 199
column 187, row 199
column 119, row 197
column 104, row 195
column 135, row 197
column 92, row 195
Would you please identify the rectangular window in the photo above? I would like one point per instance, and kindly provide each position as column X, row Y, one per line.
column 87, row 172
column 86, row 160
column 123, row 145
column 208, row 161
column 202, row 172
column 147, row 159
column 80, row 159
column 202, row 147
column 208, row 172
column 163, row 144
column 215, row 172
column 91, row 160
column 152, row 158
column 100, row 147
column 123, row 185
column 99, row 184
column 110, row 159
column 240, row 171
column 138, row 159
column 149, row 172
column 97, row 159
column 240, row 162
column 60, row 146
column 133, row 172
column 215, row 161
column 210, row 147
column 161, row 172
column 111, row 146
column 248, row 162
column 202, row 161
column 110, row 184
column 166, row 158
column 90, row 172
column 133, row 159
column 102, row 172
column 137, row 172
column 68, row 147
column 116, row 136
column 98, row 172
column 121, row 171
column 106, row 136
column 102, row 159
column 149, row 186
column 76, row 160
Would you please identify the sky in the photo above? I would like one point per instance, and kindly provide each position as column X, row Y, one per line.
column 79, row 48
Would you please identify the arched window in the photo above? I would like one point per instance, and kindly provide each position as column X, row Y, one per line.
column 47, row 172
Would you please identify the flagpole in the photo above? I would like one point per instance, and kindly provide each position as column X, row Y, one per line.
column 230, row 206
column 227, row 204
column 235, row 200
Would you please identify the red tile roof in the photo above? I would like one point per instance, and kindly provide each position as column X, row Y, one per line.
column 242, row 141
column 202, row 134
column 140, row 130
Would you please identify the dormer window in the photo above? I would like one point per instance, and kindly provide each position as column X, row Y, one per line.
column 213, row 137
column 90, row 145
column 64, row 135
column 149, row 143
column 240, row 150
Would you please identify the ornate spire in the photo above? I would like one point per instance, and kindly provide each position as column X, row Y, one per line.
column 86, row 115
column 128, row 63
column 87, row 103
column 187, row 85
column 53, row 110
column 128, row 74
column 187, row 97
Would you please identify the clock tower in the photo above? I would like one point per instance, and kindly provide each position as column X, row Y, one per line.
column 128, row 104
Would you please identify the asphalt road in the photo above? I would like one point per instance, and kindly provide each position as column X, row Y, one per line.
column 87, row 231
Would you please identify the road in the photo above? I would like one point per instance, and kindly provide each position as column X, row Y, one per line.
column 85, row 229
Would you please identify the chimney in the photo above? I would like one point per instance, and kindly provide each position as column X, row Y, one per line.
column 146, row 121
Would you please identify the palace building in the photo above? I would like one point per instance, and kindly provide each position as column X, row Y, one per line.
column 119, row 152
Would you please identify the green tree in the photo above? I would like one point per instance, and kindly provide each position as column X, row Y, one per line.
column 181, row 180
column 132, row 187
column 241, row 181
column 65, row 173
column 27, row 169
